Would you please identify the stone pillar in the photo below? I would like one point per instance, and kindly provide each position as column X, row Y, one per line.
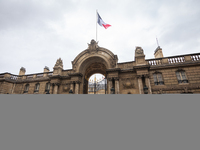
column 140, row 84
column 55, row 90
column 147, row 82
column 51, row 88
column 72, row 86
column 109, row 85
column 116, row 85
column 77, row 87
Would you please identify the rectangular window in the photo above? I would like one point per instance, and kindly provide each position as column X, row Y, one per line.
column 181, row 77
column 158, row 80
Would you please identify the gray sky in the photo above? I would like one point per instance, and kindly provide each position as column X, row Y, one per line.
column 35, row 33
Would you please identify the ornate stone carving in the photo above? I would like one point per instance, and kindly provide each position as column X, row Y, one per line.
column 116, row 78
column 93, row 45
column 112, row 63
column 59, row 63
column 128, row 83
column 66, row 87
column 139, row 50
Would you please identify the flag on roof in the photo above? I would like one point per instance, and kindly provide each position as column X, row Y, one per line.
column 101, row 22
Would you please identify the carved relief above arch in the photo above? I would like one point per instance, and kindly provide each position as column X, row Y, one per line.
column 94, row 54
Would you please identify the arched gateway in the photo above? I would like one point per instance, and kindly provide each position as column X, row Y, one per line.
column 175, row 74
column 93, row 60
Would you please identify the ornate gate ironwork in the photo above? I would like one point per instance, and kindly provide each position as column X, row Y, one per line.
column 97, row 87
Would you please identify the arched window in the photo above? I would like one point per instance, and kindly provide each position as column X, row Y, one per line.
column 158, row 80
column 26, row 88
column 47, row 87
column 181, row 76
column 37, row 86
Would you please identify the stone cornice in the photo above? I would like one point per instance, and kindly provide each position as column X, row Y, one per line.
column 175, row 65
column 113, row 70
column 141, row 67
column 25, row 80
column 75, row 74
column 177, row 87
column 127, row 70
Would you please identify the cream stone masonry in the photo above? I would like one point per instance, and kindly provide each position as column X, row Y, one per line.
column 125, row 78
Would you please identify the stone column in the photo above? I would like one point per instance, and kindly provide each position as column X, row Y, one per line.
column 116, row 85
column 55, row 90
column 51, row 88
column 109, row 85
column 72, row 86
column 77, row 87
column 147, row 82
column 140, row 84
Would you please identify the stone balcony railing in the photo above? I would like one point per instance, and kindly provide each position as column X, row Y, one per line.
column 24, row 77
column 174, row 59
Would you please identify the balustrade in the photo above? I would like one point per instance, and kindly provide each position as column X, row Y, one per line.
column 173, row 60
column 195, row 57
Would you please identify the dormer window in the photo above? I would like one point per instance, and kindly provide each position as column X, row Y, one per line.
column 181, row 76
column 158, row 80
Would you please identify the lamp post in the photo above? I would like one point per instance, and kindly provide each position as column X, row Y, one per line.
column 70, row 91
column 47, row 92
column 112, row 90
column 145, row 89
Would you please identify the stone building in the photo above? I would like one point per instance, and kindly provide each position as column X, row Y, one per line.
column 161, row 75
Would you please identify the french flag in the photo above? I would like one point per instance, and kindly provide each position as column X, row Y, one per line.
column 101, row 22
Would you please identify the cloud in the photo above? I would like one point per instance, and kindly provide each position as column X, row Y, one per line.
column 36, row 33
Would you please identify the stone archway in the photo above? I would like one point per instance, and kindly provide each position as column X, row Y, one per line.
column 93, row 60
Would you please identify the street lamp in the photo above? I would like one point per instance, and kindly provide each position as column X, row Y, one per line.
column 112, row 90
column 70, row 91
column 47, row 92
column 145, row 89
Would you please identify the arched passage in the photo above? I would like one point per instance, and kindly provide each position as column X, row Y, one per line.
column 97, row 84
column 91, row 66
column 93, row 60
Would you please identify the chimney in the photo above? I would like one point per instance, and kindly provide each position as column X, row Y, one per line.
column 22, row 71
column 46, row 69
column 158, row 52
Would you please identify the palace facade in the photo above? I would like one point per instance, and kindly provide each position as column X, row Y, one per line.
column 160, row 75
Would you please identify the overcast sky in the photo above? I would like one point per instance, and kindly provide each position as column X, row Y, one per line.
column 35, row 33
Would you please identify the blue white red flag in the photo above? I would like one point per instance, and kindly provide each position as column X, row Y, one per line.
column 101, row 22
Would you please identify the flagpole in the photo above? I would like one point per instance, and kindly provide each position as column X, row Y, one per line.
column 96, row 25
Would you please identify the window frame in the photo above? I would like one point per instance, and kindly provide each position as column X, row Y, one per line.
column 37, row 89
column 181, row 76
column 48, row 84
column 156, row 77
column 26, row 88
